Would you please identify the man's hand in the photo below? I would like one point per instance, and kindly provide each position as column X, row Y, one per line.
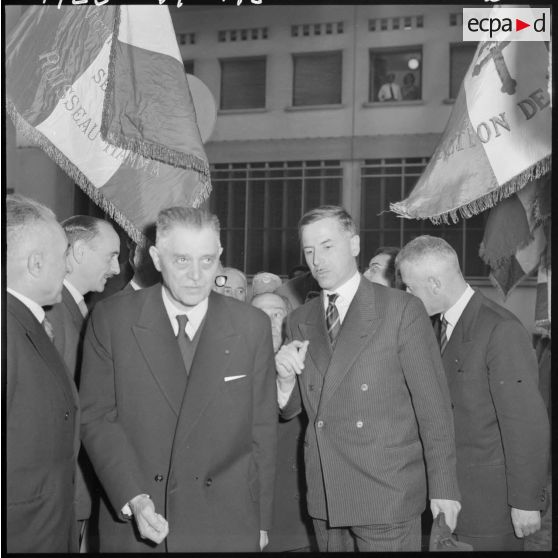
column 289, row 361
column 450, row 509
column 264, row 540
column 151, row 525
column 525, row 522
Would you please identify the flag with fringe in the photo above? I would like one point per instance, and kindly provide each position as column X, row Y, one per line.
column 102, row 90
column 517, row 241
column 497, row 139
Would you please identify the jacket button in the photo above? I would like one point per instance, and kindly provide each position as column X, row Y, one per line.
column 364, row 387
column 159, row 478
column 359, row 424
column 66, row 415
column 208, row 482
column 320, row 423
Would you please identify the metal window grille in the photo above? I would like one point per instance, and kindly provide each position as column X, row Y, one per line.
column 259, row 206
column 390, row 180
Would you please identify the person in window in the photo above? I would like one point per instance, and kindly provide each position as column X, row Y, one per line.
column 390, row 91
column 409, row 90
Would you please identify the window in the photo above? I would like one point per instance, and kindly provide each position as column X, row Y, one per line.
column 188, row 66
column 385, row 181
column 259, row 206
column 243, row 83
column 461, row 56
column 317, row 78
column 400, row 70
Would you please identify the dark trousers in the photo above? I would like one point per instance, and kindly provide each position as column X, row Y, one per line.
column 396, row 537
column 508, row 543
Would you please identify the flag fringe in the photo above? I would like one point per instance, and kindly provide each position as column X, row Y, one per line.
column 150, row 150
column 485, row 202
column 74, row 173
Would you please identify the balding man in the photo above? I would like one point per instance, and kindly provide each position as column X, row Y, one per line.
column 236, row 285
column 42, row 410
column 92, row 259
column 501, row 425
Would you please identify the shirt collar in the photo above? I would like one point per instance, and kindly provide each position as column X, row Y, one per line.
column 347, row 290
column 454, row 313
column 35, row 308
column 135, row 286
column 76, row 295
column 195, row 315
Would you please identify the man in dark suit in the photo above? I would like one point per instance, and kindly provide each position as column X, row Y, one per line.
column 92, row 259
column 371, row 380
column 179, row 404
column 42, row 410
column 501, row 424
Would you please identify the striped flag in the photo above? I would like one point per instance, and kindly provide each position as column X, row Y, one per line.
column 497, row 139
column 102, row 90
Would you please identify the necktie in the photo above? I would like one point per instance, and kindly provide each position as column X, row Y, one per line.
column 83, row 308
column 391, row 92
column 184, row 342
column 47, row 326
column 333, row 321
column 443, row 336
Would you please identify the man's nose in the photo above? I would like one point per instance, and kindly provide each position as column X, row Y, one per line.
column 115, row 266
column 194, row 271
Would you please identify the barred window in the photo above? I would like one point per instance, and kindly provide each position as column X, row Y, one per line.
column 385, row 181
column 259, row 206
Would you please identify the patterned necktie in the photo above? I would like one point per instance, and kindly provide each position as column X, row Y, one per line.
column 83, row 308
column 184, row 342
column 333, row 321
column 443, row 335
column 47, row 326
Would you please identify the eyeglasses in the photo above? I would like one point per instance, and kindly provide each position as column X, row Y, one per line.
column 220, row 280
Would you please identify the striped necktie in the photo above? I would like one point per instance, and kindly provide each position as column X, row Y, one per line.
column 184, row 342
column 333, row 322
column 443, row 335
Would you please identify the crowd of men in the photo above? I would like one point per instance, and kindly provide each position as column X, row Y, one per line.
column 185, row 413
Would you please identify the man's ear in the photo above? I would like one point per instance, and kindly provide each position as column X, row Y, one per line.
column 77, row 252
column 355, row 245
column 435, row 285
column 154, row 253
column 220, row 251
column 35, row 263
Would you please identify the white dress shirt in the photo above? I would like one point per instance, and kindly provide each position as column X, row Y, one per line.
column 35, row 308
column 195, row 315
column 76, row 295
column 454, row 313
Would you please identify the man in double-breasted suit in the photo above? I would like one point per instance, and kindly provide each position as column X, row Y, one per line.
column 92, row 259
column 42, row 409
column 371, row 380
column 501, row 424
column 179, row 405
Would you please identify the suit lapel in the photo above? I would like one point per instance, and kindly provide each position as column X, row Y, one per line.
column 73, row 308
column 314, row 330
column 217, row 344
column 461, row 340
column 358, row 327
column 159, row 348
column 44, row 346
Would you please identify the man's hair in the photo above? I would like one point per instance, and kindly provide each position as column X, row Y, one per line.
column 286, row 301
column 427, row 246
column 22, row 215
column 389, row 272
column 191, row 217
column 326, row 211
column 82, row 227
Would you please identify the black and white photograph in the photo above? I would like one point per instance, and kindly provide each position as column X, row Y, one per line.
column 277, row 277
